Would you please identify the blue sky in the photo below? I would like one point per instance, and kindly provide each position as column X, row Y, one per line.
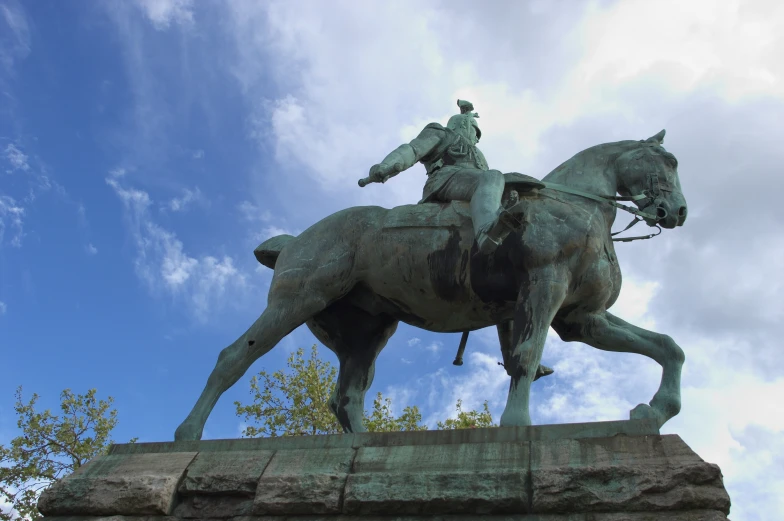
column 147, row 147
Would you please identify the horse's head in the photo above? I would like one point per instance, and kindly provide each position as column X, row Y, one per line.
column 650, row 170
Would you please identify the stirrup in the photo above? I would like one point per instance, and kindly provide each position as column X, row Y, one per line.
column 494, row 234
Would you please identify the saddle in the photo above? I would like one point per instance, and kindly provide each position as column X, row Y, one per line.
column 454, row 214
column 522, row 182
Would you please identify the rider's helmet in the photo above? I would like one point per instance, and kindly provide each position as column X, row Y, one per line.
column 465, row 123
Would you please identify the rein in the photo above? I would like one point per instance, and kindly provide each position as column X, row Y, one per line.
column 612, row 200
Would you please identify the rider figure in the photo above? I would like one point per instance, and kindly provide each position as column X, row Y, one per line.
column 456, row 171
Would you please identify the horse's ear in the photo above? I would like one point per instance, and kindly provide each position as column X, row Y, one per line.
column 658, row 138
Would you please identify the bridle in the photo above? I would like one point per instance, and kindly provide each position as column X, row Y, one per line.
column 653, row 195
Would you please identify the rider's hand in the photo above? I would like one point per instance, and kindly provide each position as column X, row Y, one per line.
column 379, row 173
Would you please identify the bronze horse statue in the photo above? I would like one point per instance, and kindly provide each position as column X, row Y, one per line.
column 354, row 275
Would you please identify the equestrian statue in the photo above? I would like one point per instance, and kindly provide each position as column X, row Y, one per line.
column 482, row 248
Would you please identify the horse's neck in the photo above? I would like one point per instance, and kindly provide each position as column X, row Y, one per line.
column 591, row 171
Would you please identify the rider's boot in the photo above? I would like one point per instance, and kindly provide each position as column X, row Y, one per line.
column 493, row 234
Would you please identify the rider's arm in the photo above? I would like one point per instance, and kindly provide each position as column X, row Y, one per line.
column 405, row 156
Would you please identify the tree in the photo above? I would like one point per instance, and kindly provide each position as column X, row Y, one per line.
column 470, row 419
column 52, row 446
column 381, row 418
column 292, row 403
column 296, row 402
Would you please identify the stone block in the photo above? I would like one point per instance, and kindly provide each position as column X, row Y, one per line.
column 304, row 482
column 623, row 474
column 693, row 515
column 227, row 473
column 127, row 485
column 213, row 507
column 440, row 479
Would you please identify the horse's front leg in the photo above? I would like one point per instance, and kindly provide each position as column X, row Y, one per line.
column 607, row 332
column 539, row 299
column 506, row 339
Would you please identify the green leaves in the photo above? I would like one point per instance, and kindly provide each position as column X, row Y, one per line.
column 470, row 419
column 296, row 402
column 381, row 418
column 292, row 403
column 52, row 446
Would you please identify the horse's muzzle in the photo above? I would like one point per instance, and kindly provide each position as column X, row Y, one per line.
column 669, row 219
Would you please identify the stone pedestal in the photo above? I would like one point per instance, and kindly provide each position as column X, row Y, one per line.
column 607, row 471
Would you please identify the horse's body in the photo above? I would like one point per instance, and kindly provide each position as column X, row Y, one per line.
column 354, row 275
column 421, row 269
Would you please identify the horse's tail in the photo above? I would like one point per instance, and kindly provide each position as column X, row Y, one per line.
column 267, row 252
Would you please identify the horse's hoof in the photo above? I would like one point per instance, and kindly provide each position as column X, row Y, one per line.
column 644, row 411
column 186, row 432
column 543, row 370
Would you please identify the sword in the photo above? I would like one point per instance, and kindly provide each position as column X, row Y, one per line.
column 461, row 349
column 367, row 180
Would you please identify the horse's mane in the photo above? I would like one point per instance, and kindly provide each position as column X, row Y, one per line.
column 606, row 154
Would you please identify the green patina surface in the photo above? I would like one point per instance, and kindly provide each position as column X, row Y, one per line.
column 499, row 471
column 391, row 439
column 481, row 249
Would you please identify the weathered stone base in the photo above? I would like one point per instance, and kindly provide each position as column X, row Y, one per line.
column 609, row 471
column 691, row 515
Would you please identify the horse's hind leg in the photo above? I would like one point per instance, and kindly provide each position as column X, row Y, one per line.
column 607, row 332
column 356, row 337
column 280, row 318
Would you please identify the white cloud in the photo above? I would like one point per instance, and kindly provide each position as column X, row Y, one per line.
column 267, row 232
column 116, row 173
column 162, row 262
column 3, row 308
column 255, row 216
column 198, row 154
column 25, row 190
column 488, row 339
column 11, row 216
column 730, row 45
column 16, row 158
column 434, row 347
column 14, row 42
column 414, row 341
column 591, row 385
column 400, row 398
column 90, row 249
column 273, row 231
column 632, row 304
column 734, row 419
column 252, row 213
column 178, row 204
column 163, row 12
column 480, row 379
